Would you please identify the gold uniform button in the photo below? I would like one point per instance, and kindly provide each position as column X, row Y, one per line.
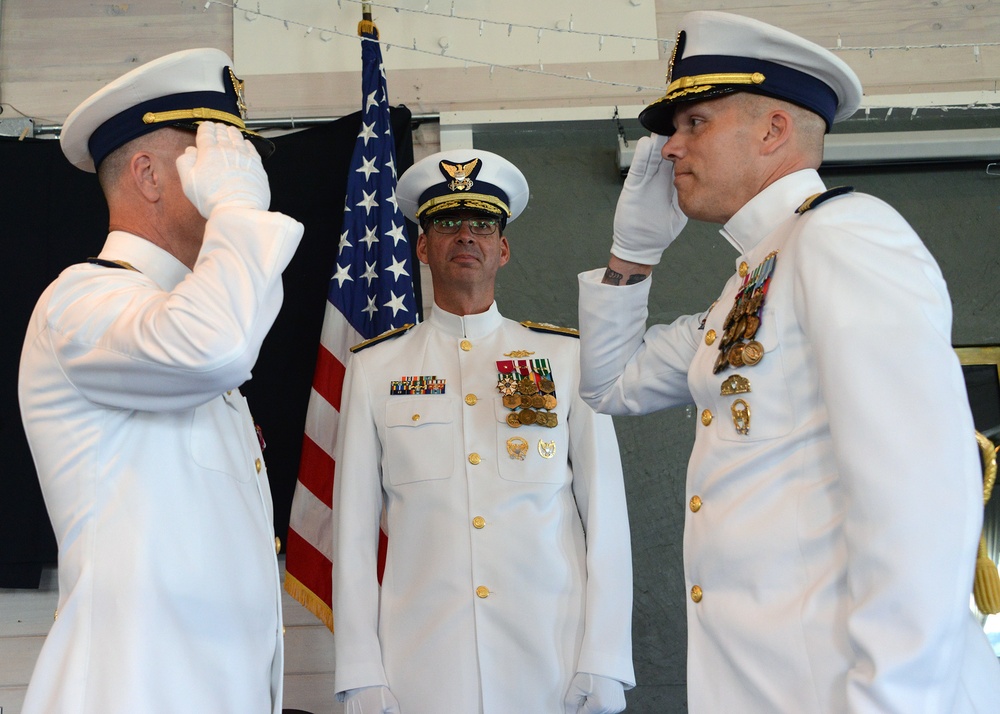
column 695, row 504
column 710, row 337
column 483, row 591
column 706, row 417
column 257, row 465
column 415, row 417
column 277, row 545
column 479, row 522
column 744, row 269
column 474, row 459
column 465, row 345
column 696, row 593
column 471, row 399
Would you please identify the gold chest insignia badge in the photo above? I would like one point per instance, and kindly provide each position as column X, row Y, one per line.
column 735, row 384
column 517, row 448
column 741, row 416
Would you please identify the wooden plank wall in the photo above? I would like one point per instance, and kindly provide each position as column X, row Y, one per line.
column 55, row 53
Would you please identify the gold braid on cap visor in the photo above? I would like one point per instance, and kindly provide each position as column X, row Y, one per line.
column 704, row 82
column 198, row 113
column 480, row 201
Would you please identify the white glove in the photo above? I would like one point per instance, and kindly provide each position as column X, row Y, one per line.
column 647, row 218
column 370, row 700
column 594, row 694
column 224, row 170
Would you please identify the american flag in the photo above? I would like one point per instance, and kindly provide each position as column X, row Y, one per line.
column 371, row 291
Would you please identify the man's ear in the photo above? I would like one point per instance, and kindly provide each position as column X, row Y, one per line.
column 778, row 130
column 144, row 176
column 421, row 248
column 504, row 250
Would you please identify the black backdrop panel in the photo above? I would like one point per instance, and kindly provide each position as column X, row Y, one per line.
column 54, row 215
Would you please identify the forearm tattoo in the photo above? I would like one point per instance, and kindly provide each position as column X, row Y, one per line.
column 613, row 277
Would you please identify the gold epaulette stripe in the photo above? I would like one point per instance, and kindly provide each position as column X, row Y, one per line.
column 554, row 329
column 384, row 336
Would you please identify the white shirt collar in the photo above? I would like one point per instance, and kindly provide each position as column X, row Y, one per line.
column 770, row 208
column 149, row 259
column 472, row 326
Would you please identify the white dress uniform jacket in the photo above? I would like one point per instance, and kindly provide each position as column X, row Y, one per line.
column 503, row 577
column 153, row 476
column 829, row 550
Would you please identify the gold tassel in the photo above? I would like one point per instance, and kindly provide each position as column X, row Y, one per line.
column 986, row 586
column 367, row 27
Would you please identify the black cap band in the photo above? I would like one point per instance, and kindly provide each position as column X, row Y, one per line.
column 184, row 110
column 708, row 76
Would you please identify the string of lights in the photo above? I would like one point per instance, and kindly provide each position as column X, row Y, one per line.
column 570, row 29
column 251, row 10
column 327, row 33
column 540, row 70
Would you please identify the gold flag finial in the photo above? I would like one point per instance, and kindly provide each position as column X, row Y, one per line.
column 367, row 25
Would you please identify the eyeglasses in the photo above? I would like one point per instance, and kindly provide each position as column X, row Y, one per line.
column 477, row 226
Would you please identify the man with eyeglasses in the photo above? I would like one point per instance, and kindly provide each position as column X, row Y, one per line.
column 508, row 578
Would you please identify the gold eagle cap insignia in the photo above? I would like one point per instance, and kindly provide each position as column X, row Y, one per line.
column 238, row 89
column 678, row 50
column 460, row 174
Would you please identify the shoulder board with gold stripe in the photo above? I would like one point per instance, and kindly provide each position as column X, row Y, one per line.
column 816, row 199
column 112, row 264
column 387, row 335
column 555, row 329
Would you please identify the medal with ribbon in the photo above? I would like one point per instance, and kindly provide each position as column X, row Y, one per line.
column 738, row 346
column 528, row 390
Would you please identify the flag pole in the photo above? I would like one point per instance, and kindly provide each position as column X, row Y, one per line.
column 370, row 292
